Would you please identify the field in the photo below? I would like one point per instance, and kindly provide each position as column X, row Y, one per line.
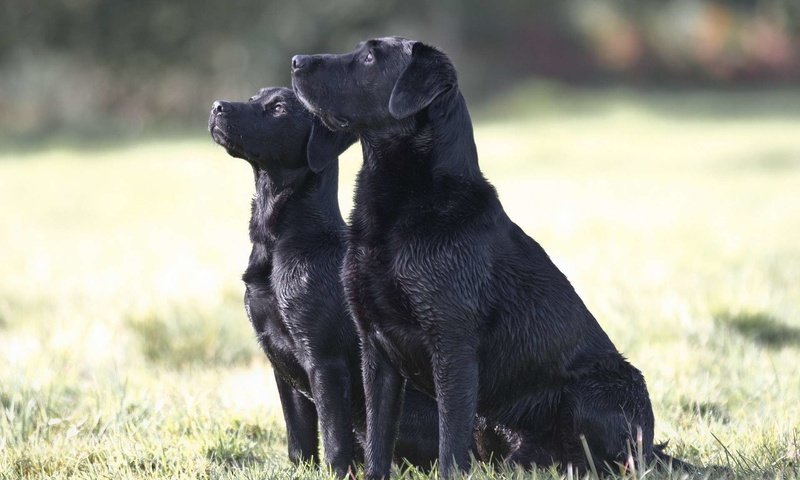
column 125, row 351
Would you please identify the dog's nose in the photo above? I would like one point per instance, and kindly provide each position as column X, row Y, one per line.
column 220, row 107
column 300, row 62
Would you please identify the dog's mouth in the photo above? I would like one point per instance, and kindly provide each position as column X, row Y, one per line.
column 222, row 139
column 333, row 122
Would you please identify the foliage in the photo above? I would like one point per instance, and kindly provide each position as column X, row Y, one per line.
column 133, row 66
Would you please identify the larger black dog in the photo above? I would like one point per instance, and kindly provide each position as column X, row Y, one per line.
column 450, row 293
column 294, row 296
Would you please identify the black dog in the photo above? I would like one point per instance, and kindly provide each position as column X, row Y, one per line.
column 294, row 296
column 448, row 292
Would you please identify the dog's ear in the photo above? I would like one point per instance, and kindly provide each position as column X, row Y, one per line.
column 429, row 75
column 325, row 146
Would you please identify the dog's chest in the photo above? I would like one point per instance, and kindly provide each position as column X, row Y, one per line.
column 418, row 272
column 290, row 280
column 275, row 338
column 392, row 321
column 392, row 290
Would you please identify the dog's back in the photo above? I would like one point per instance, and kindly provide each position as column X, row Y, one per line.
column 448, row 291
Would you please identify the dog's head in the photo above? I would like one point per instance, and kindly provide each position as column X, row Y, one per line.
column 382, row 82
column 273, row 131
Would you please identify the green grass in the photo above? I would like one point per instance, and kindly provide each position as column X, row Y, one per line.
column 125, row 351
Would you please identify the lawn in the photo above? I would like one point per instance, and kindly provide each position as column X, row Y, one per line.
column 125, row 351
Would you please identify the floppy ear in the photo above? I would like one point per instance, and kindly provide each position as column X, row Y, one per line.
column 429, row 75
column 324, row 146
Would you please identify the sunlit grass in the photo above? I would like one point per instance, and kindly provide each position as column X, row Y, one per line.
column 125, row 351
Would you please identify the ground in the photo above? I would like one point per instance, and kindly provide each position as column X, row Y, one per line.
column 125, row 351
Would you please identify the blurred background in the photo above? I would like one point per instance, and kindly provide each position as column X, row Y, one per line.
column 652, row 147
column 129, row 67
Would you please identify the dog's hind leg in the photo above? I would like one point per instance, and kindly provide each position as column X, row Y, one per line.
column 535, row 439
column 532, row 451
column 418, row 437
column 608, row 405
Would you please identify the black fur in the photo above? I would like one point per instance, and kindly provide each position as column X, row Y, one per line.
column 448, row 292
column 294, row 297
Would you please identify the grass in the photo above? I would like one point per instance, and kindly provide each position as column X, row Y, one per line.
column 125, row 351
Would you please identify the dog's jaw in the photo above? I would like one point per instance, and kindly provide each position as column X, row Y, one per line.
column 333, row 122
column 223, row 140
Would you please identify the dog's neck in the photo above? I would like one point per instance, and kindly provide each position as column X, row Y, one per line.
column 297, row 197
column 440, row 136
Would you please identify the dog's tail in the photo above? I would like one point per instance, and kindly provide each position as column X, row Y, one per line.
column 667, row 461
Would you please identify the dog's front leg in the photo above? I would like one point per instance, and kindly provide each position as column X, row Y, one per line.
column 300, row 416
column 455, row 376
column 331, row 386
column 383, row 390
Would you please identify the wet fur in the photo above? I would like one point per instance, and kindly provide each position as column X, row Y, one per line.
column 449, row 293
column 294, row 297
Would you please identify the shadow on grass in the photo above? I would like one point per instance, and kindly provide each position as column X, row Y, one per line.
column 761, row 327
column 778, row 161
column 771, row 457
column 710, row 410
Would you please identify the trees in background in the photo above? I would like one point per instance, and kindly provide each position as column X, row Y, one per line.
column 128, row 64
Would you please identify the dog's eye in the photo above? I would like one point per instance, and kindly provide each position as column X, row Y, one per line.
column 278, row 109
column 369, row 59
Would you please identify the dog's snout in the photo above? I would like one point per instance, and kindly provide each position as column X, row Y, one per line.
column 220, row 107
column 299, row 62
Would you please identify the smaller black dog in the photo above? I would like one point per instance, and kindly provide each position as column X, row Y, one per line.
column 294, row 297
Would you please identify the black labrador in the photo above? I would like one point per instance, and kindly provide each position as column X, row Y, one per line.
column 448, row 292
column 294, row 296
